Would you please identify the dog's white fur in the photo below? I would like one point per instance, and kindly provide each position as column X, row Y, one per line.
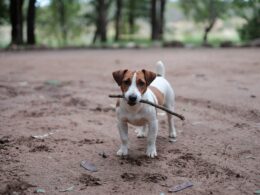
column 145, row 115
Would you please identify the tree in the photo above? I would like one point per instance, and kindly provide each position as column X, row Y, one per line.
column 157, row 19
column 119, row 5
column 99, row 17
column 62, row 19
column 132, row 15
column 204, row 11
column 162, row 20
column 154, row 21
column 31, row 22
column 250, row 11
column 134, row 10
column 102, row 20
column 4, row 11
column 60, row 22
column 16, row 17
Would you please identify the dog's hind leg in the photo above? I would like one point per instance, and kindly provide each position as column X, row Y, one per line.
column 141, row 131
column 172, row 130
column 169, row 103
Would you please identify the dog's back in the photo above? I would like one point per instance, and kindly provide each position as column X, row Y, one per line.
column 161, row 84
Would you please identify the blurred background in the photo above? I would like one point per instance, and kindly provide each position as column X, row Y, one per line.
column 129, row 23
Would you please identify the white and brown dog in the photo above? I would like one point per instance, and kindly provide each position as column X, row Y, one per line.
column 137, row 85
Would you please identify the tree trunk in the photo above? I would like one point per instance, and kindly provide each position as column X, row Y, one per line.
column 16, row 17
column 103, row 22
column 118, row 19
column 154, row 21
column 212, row 20
column 131, row 16
column 31, row 22
column 101, row 25
column 95, row 36
column 206, row 31
column 62, row 20
column 131, row 21
column 162, row 10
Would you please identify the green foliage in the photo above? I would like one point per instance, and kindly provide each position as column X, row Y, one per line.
column 4, row 11
column 250, row 11
column 251, row 30
column 91, row 14
column 203, row 10
column 64, row 28
column 133, row 10
column 139, row 8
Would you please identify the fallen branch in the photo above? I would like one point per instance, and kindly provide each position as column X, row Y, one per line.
column 152, row 104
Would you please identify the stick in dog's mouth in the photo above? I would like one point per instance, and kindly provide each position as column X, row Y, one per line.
column 152, row 104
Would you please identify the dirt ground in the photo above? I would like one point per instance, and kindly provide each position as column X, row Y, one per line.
column 63, row 95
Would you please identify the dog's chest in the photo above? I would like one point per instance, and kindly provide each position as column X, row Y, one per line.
column 136, row 119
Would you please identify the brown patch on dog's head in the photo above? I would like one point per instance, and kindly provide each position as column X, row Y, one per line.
column 149, row 76
column 123, row 78
column 119, row 75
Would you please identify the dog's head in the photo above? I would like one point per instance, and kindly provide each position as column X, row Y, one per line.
column 133, row 83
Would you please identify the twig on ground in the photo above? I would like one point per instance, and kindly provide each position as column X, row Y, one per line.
column 152, row 104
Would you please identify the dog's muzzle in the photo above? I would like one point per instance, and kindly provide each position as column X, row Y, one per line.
column 132, row 100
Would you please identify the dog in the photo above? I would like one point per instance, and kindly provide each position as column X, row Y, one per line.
column 137, row 85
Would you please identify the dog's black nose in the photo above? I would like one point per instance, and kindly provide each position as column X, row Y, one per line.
column 132, row 98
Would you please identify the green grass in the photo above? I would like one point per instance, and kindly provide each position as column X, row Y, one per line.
column 194, row 39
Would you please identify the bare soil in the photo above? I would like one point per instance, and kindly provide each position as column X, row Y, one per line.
column 62, row 95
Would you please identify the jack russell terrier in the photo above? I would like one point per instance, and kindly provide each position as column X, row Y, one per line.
column 137, row 85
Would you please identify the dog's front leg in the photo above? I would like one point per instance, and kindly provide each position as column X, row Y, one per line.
column 151, row 138
column 123, row 131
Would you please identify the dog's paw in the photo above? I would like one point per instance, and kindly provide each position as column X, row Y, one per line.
column 172, row 134
column 151, row 151
column 140, row 133
column 123, row 151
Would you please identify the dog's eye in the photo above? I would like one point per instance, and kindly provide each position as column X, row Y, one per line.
column 127, row 82
column 141, row 83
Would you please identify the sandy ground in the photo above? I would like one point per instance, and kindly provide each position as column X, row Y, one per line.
column 64, row 94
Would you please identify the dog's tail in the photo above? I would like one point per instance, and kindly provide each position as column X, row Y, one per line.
column 160, row 69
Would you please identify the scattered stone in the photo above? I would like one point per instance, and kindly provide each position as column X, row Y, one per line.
column 68, row 189
column 88, row 166
column 42, row 136
column 181, row 187
column 39, row 190
column 52, row 82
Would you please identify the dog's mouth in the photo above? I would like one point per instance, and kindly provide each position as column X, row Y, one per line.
column 131, row 103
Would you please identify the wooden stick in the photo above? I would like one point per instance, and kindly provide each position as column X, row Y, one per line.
column 152, row 104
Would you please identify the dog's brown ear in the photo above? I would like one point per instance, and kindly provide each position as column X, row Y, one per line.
column 119, row 75
column 149, row 76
